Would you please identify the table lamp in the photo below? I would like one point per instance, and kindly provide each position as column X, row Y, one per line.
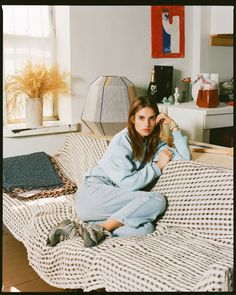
column 107, row 104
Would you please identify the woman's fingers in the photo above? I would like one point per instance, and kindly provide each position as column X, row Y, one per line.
column 167, row 152
column 164, row 158
column 163, row 118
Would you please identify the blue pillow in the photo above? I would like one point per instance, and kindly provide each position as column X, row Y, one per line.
column 32, row 171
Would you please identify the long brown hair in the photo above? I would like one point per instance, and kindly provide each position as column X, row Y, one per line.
column 137, row 142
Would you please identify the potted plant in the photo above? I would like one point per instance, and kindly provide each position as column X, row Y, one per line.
column 36, row 82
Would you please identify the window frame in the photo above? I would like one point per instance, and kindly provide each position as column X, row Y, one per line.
column 7, row 120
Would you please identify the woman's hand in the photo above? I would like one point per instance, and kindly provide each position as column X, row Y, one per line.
column 162, row 118
column 164, row 158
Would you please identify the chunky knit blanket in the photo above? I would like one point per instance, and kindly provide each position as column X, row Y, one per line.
column 190, row 250
column 30, row 171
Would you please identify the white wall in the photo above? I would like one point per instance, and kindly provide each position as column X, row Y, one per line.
column 49, row 143
column 109, row 40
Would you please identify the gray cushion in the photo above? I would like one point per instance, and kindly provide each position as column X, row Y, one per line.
column 29, row 172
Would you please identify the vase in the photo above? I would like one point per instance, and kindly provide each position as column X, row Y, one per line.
column 185, row 92
column 33, row 112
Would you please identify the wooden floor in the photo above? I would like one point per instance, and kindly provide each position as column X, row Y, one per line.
column 17, row 275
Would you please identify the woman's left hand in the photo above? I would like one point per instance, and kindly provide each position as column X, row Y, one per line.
column 162, row 118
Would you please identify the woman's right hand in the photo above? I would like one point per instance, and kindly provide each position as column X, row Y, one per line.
column 164, row 158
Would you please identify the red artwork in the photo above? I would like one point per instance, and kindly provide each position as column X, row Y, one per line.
column 167, row 31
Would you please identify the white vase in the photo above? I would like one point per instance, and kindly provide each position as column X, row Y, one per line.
column 33, row 112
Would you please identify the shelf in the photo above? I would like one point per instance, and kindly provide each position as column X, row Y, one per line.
column 223, row 108
column 49, row 128
column 222, row 40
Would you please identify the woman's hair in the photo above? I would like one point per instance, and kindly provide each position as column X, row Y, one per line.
column 137, row 142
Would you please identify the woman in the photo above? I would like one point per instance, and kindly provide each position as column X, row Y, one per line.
column 111, row 201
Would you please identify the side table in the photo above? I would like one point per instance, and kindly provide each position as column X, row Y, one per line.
column 197, row 122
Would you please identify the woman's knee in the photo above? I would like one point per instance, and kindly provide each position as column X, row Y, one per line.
column 161, row 201
column 83, row 208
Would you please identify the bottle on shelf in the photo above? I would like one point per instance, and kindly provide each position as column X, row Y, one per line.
column 152, row 89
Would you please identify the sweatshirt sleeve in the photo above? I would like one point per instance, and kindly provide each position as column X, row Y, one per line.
column 181, row 150
column 119, row 166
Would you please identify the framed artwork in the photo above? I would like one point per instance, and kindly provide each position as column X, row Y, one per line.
column 167, row 29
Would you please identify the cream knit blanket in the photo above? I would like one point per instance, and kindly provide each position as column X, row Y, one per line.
column 190, row 250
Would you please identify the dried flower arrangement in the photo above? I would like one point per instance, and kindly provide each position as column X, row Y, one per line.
column 185, row 87
column 36, row 81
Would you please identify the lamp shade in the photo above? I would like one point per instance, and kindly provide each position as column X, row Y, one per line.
column 107, row 104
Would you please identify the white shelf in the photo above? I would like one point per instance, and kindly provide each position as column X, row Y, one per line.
column 223, row 108
column 196, row 122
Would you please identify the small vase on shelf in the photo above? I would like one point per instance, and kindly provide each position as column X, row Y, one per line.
column 186, row 89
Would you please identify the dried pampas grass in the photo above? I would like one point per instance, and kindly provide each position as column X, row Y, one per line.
column 36, row 81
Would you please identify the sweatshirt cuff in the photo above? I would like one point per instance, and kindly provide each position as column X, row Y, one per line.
column 177, row 134
column 156, row 168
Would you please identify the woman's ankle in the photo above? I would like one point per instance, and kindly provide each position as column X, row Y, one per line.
column 111, row 224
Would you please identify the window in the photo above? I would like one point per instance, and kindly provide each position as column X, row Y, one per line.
column 28, row 34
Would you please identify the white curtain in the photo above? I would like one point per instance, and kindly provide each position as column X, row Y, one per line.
column 28, row 34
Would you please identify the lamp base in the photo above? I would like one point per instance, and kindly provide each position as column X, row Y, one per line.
column 105, row 129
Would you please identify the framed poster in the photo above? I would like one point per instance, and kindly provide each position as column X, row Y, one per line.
column 167, row 29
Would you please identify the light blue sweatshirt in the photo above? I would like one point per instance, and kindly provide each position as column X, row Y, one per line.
column 118, row 166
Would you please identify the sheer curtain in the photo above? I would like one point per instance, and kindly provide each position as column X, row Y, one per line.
column 28, row 34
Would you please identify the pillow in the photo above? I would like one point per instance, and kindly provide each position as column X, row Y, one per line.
column 30, row 171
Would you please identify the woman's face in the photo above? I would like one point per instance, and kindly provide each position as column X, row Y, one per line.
column 145, row 121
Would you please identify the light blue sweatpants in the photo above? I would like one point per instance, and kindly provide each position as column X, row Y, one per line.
column 98, row 199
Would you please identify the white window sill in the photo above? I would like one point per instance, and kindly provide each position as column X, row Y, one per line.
column 50, row 127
